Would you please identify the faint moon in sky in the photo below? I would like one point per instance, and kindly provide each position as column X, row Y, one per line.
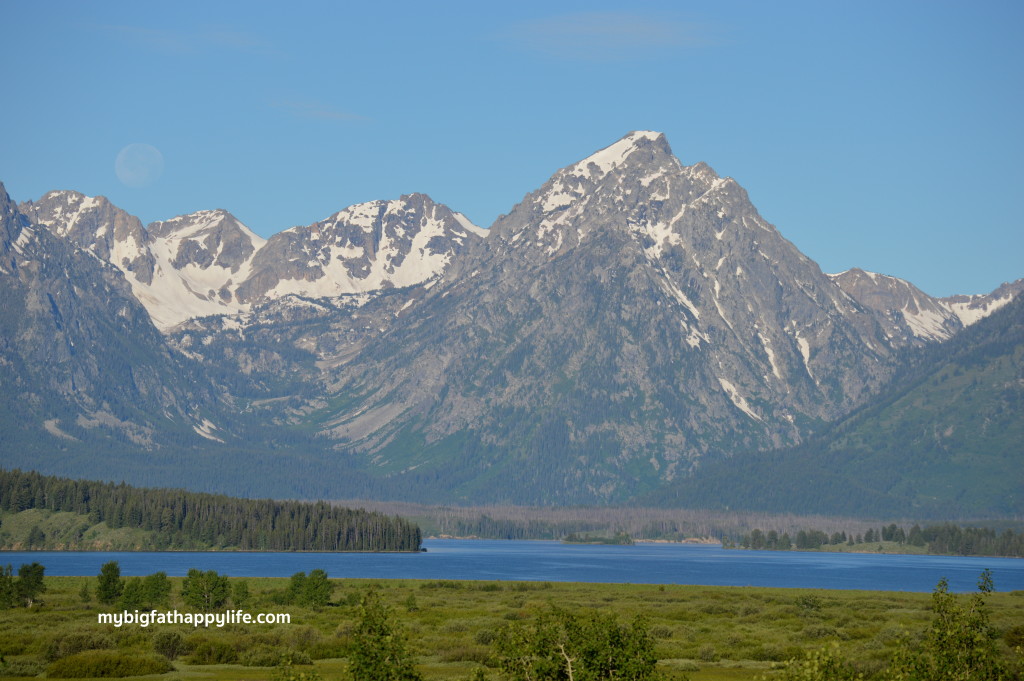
column 139, row 165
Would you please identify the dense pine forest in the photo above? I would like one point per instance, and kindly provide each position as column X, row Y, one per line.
column 175, row 519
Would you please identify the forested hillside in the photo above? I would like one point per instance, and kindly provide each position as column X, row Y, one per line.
column 175, row 519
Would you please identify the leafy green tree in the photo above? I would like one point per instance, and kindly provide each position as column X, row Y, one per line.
column 30, row 582
column 205, row 590
column 959, row 646
column 378, row 646
column 317, row 590
column 592, row 646
column 110, row 585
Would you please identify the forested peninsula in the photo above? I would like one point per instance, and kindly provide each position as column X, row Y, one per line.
column 39, row 512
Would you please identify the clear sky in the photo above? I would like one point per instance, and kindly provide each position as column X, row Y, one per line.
column 885, row 135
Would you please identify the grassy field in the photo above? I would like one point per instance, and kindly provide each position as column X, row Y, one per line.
column 702, row 633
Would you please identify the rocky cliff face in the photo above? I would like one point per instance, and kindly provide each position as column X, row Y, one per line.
column 630, row 317
column 909, row 315
column 77, row 351
column 366, row 247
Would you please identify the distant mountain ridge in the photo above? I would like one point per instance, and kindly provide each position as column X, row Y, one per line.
column 625, row 326
column 209, row 263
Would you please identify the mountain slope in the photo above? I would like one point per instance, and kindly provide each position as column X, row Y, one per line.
column 943, row 441
column 627, row 319
column 79, row 357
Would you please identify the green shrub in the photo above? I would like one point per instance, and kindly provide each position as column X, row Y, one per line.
column 465, row 654
column 20, row 668
column 1014, row 636
column 93, row 664
column 826, row 664
column 76, row 642
column 266, row 656
column 213, row 652
column 327, row 649
column 170, row 644
column 661, row 631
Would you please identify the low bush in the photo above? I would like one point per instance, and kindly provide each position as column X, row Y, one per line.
column 213, row 652
column 266, row 656
column 95, row 664
column 20, row 668
column 466, row 654
column 76, row 642
column 170, row 644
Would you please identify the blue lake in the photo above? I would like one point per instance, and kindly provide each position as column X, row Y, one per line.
column 557, row 562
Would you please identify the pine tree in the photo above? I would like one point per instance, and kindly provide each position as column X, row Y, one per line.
column 110, row 585
column 30, row 582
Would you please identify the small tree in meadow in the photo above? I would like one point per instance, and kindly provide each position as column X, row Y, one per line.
column 205, row 590
column 378, row 647
column 110, row 586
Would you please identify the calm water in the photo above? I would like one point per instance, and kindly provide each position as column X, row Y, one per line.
column 556, row 562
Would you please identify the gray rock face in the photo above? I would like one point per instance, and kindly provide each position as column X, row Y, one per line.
column 906, row 313
column 78, row 353
column 98, row 226
column 207, row 238
column 625, row 320
column 366, row 247
column 971, row 308
column 909, row 315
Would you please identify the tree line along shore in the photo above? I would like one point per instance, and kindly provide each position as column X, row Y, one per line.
column 47, row 512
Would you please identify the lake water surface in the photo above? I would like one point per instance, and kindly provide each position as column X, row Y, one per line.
column 557, row 562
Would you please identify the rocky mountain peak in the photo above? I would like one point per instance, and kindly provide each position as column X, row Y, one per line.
column 206, row 238
column 365, row 247
column 906, row 312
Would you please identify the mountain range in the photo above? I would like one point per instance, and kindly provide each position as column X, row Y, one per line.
column 629, row 329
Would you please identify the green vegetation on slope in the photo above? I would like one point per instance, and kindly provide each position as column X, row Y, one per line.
column 944, row 441
column 40, row 512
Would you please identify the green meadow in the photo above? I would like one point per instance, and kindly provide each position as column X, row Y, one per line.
column 701, row 633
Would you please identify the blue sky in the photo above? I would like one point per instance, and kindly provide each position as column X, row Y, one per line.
column 884, row 135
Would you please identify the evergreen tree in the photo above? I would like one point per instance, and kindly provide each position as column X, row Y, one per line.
column 156, row 589
column 110, row 585
column 30, row 582
column 8, row 589
column 133, row 595
column 240, row 594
